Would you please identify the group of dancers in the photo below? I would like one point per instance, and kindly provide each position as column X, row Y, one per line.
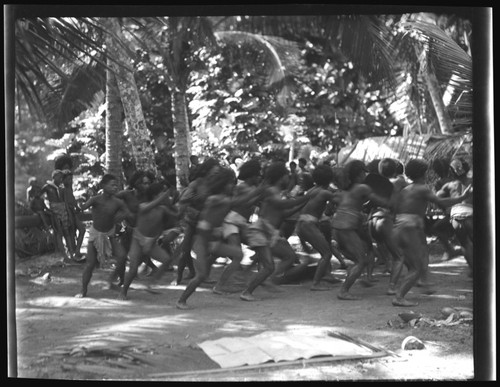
column 343, row 213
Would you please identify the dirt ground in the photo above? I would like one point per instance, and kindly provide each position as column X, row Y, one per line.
column 146, row 338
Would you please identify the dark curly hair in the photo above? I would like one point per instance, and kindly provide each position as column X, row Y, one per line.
column 387, row 167
column 137, row 176
column 276, row 171
column 154, row 189
column 322, row 175
column 220, row 179
column 416, row 168
column 248, row 169
column 205, row 167
column 353, row 169
column 106, row 179
column 372, row 166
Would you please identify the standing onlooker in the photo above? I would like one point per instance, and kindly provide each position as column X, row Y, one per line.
column 193, row 167
column 59, row 213
column 461, row 214
column 75, row 223
column 37, row 205
column 32, row 184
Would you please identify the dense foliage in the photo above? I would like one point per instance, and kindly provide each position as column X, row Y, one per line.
column 324, row 102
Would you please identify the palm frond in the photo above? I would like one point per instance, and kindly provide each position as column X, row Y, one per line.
column 281, row 56
column 74, row 94
column 450, row 63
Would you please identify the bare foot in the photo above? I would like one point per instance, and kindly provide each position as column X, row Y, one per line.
column 269, row 286
column 219, row 291
column 182, row 305
column 347, row 296
column 422, row 284
column 403, row 302
column 428, row 291
column 319, row 288
column 366, row 283
column 80, row 258
column 112, row 286
column 122, row 296
column 69, row 261
column 151, row 290
column 391, row 291
column 331, row 279
column 248, row 297
column 80, row 295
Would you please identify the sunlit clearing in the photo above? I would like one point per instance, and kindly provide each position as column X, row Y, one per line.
column 445, row 272
column 464, row 290
column 454, row 262
column 443, row 296
column 323, row 330
column 242, row 326
column 58, row 281
column 65, row 301
column 131, row 329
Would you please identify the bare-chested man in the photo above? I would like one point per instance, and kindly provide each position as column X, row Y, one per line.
column 150, row 220
column 308, row 224
column 133, row 196
column 107, row 210
column 207, row 240
column 348, row 224
column 409, row 233
column 236, row 222
column 381, row 223
column 264, row 233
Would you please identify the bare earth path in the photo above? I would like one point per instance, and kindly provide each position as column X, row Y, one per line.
column 146, row 337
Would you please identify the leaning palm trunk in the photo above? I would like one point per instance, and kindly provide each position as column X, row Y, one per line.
column 114, row 129
column 140, row 139
column 437, row 101
column 182, row 138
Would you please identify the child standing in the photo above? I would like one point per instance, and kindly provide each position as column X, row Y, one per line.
column 107, row 210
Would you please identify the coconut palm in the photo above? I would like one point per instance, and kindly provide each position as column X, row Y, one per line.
column 410, row 58
column 60, row 65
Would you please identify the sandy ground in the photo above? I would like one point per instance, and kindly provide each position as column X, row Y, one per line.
column 147, row 338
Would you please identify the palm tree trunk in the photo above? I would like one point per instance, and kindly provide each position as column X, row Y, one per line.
column 140, row 139
column 182, row 138
column 114, row 128
column 437, row 101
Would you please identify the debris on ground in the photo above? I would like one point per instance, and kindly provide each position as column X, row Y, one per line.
column 100, row 358
column 453, row 316
column 411, row 343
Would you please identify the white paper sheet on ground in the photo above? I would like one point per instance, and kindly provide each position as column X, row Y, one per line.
column 277, row 346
